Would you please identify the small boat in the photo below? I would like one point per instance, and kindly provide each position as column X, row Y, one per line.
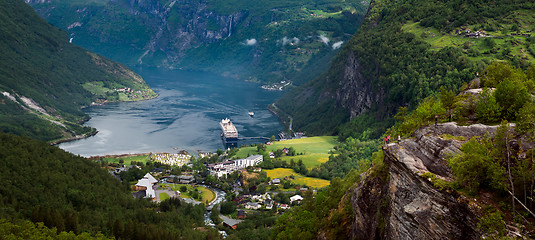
column 251, row 114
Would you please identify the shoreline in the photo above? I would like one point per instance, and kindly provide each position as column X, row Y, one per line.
column 119, row 155
column 84, row 136
column 77, row 137
column 275, row 112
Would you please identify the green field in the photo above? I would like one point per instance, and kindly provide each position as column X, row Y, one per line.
column 164, row 196
column 476, row 48
column 298, row 178
column 315, row 149
column 128, row 159
column 207, row 194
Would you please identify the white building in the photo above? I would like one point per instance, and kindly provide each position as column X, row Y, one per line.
column 295, row 198
column 228, row 167
column 147, row 183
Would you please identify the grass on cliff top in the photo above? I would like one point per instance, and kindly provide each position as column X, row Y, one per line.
column 298, row 178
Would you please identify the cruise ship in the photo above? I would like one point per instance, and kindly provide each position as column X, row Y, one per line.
column 230, row 133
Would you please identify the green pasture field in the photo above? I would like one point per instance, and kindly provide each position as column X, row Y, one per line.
column 315, row 150
column 207, row 194
column 164, row 196
column 128, row 159
column 298, row 178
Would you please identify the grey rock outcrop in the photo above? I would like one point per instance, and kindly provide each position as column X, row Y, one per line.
column 403, row 204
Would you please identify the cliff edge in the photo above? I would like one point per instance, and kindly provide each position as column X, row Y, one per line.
column 403, row 204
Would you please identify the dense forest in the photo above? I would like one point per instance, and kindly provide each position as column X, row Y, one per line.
column 45, row 184
column 45, row 80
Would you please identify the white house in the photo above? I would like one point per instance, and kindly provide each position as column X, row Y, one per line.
column 297, row 198
column 252, row 205
column 147, row 183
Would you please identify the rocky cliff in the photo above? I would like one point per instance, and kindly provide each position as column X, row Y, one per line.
column 356, row 93
column 157, row 32
column 403, row 204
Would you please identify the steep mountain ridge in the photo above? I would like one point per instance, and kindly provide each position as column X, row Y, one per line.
column 45, row 80
column 269, row 42
column 404, row 52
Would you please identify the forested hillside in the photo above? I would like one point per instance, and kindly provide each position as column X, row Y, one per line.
column 404, row 52
column 45, row 80
column 268, row 41
column 45, row 184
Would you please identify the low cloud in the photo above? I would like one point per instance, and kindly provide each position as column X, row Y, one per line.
column 250, row 42
column 337, row 45
column 324, row 39
column 292, row 41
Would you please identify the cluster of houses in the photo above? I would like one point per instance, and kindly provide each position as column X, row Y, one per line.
column 127, row 90
column 227, row 167
column 468, row 33
column 172, row 159
column 257, row 201
column 254, row 201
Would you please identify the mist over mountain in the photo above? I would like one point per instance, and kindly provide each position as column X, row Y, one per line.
column 266, row 41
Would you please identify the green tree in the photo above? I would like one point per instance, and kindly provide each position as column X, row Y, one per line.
column 511, row 95
column 487, row 109
column 446, row 97
column 498, row 72
column 228, row 207
column 526, row 119
column 475, row 166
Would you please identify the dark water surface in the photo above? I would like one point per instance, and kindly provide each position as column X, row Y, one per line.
column 185, row 116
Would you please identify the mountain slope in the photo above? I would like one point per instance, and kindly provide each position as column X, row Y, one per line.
column 268, row 41
column 46, row 184
column 404, row 52
column 45, row 80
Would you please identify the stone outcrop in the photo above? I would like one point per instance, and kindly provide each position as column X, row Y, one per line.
column 402, row 204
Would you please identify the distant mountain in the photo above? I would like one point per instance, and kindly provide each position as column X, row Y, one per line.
column 45, row 80
column 404, row 52
column 268, row 41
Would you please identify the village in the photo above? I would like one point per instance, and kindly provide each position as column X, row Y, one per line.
column 231, row 189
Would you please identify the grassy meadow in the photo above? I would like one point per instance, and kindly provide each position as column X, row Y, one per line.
column 207, row 194
column 298, row 178
column 315, row 150
column 127, row 159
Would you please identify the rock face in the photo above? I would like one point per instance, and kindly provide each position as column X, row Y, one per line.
column 403, row 204
column 159, row 32
column 355, row 92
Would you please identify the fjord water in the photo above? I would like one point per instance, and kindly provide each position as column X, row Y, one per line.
column 185, row 116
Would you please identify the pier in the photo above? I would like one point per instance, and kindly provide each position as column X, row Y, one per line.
column 253, row 138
